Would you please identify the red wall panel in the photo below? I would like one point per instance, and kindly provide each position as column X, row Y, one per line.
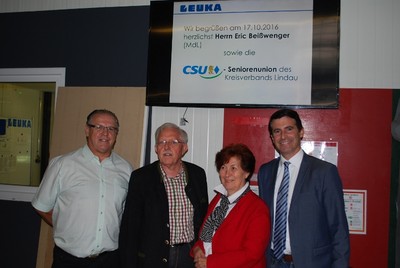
column 361, row 126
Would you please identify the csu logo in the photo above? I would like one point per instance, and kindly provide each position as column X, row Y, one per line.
column 206, row 72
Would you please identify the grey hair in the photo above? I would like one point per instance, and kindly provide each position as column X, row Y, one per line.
column 182, row 133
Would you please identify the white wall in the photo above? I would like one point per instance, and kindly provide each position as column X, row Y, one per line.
column 369, row 44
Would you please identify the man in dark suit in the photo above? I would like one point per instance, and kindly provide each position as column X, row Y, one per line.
column 315, row 231
column 165, row 206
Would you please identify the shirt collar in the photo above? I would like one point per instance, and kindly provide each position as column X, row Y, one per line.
column 88, row 155
column 295, row 160
column 180, row 173
column 221, row 189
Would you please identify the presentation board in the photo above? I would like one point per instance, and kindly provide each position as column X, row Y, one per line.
column 243, row 53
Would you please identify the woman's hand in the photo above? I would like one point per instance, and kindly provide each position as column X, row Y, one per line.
column 200, row 260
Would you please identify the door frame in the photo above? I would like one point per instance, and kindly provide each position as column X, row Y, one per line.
column 27, row 75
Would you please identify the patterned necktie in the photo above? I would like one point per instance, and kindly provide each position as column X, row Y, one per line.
column 217, row 216
column 280, row 214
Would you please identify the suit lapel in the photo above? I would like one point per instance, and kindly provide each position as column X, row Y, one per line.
column 161, row 192
column 273, row 174
column 301, row 177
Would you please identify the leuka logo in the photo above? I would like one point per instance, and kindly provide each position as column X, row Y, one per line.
column 206, row 72
column 200, row 8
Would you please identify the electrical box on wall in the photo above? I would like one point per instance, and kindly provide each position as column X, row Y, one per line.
column 15, row 150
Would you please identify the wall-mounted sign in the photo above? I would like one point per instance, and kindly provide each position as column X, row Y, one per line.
column 355, row 202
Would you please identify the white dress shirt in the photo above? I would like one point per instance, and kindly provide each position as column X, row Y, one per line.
column 294, row 167
column 87, row 198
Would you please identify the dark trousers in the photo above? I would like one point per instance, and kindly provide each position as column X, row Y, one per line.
column 62, row 259
column 281, row 264
column 179, row 256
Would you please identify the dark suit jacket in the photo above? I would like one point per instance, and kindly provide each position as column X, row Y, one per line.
column 319, row 234
column 144, row 235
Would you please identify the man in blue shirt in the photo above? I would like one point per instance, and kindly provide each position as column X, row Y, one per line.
column 82, row 196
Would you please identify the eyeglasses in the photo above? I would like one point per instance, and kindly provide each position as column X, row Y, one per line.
column 170, row 143
column 100, row 128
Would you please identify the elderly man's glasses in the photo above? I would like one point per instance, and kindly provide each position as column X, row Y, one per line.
column 170, row 143
column 100, row 128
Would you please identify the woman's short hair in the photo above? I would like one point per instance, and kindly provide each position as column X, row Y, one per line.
column 242, row 152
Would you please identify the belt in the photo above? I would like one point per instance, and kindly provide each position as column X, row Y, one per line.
column 287, row 258
column 94, row 256
column 59, row 251
column 179, row 245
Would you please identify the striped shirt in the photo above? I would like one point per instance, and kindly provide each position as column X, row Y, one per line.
column 180, row 208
